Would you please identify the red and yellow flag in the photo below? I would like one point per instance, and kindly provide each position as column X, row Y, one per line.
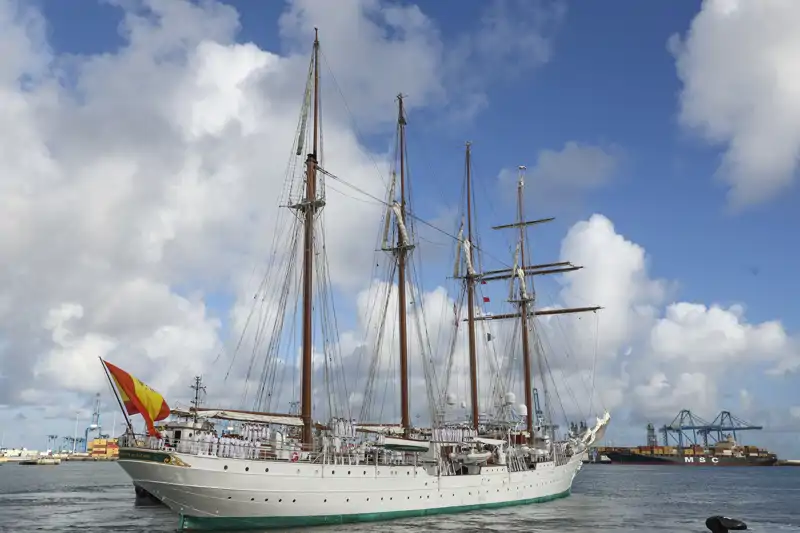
column 138, row 398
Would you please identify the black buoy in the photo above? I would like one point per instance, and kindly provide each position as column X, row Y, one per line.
column 723, row 524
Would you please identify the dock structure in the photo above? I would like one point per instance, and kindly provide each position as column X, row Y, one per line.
column 41, row 461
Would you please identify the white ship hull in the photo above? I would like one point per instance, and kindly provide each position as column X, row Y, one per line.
column 219, row 493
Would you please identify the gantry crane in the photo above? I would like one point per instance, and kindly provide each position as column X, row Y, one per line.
column 725, row 422
column 95, row 424
column 686, row 427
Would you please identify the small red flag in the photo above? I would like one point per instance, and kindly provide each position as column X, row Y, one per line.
column 483, row 282
column 486, row 299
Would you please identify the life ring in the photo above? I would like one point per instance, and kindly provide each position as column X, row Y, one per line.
column 295, row 457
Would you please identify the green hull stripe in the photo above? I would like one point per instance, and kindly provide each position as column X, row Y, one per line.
column 269, row 522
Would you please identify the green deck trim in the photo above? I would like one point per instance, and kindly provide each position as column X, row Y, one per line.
column 144, row 455
column 195, row 523
column 133, row 454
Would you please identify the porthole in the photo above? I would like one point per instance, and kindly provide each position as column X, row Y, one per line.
column 266, row 499
column 247, row 469
column 325, row 501
column 367, row 499
column 348, row 472
column 348, row 499
column 279, row 501
column 365, row 472
column 225, row 467
column 266, row 470
column 229, row 497
column 333, row 472
column 252, row 499
column 294, row 501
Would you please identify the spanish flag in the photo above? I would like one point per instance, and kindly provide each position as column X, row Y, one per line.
column 138, row 398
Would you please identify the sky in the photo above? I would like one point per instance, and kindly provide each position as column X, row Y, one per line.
column 144, row 150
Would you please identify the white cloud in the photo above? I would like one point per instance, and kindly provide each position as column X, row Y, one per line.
column 489, row 53
column 663, row 356
column 135, row 185
column 661, row 398
column 745, row 400
column 741, row 85
column 562, row 177
column 654, row 356
column 139, row 185
column 380, row 48
column 703, row 334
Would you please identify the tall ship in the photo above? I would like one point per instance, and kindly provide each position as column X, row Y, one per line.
column 691, row 441
column 319, row 462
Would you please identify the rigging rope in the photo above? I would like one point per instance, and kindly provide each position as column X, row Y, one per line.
column 409, row 214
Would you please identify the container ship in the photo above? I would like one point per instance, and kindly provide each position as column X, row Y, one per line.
column 723, row 450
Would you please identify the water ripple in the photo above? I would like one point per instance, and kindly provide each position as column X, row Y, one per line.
column 95, row 497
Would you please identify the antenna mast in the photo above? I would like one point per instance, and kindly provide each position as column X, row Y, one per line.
column 470, row 281
column 309, row 207
column 198, row 389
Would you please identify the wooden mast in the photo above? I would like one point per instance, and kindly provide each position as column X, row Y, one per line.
column 523, row 307
column 524, row 313
column 470, row 281
column 310, row 208
column 401, row 251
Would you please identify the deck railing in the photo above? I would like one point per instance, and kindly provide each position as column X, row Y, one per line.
column 241, row 448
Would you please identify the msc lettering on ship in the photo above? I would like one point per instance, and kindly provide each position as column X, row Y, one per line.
column 701, row 460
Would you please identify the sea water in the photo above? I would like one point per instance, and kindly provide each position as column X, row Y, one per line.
column 95, row 496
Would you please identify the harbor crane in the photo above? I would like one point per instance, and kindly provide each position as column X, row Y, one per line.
column 94, row 426
column 686, row 428
column 67, row 443
column 725, row 422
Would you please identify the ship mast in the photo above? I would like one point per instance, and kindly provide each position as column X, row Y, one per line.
column 523, row 299
column 401, row 251
column 523, row 308
column 309, row 207
column 470, row 282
